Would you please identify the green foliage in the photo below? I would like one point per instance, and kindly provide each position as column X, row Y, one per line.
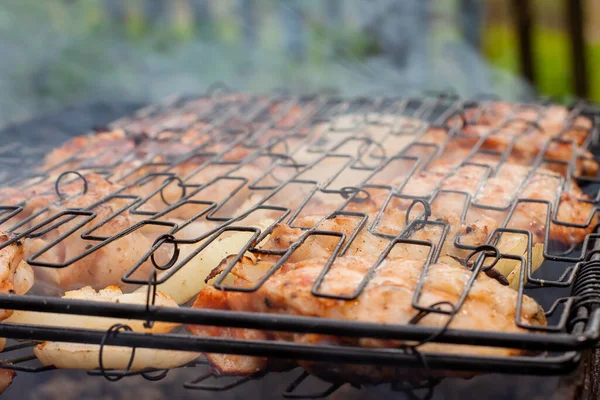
column 136, row 26
column 553, row 62
column 347, row 43
column 358, row 45
column 499, row 45
column 552, row 58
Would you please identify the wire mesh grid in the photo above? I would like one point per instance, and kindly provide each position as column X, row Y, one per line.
column 303, row 178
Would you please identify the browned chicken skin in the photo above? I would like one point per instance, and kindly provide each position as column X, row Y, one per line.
column 489, row 306
column 447, row 206
column 551, row 129
column 15, row 275
column 6, row 378
column 101, row 267
column 555, row 120
column 493, row 183
column 100, row 149
column 519, row 146
column 511, row 182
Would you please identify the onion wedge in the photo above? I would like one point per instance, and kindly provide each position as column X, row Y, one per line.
column 23, row 278
column 511, row 269
column 23, row 281
column 537, row 258
column 111, row 294
column 186, row 283
column 517, row 245
column 86, row 357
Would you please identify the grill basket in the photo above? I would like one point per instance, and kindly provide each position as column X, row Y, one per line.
column 272, row 128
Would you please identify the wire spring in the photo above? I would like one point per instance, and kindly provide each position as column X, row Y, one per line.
column 113, row 331
column 586, row 290
column 63, row 196
column 427, row 213
column 162, row 239
column 352, row 191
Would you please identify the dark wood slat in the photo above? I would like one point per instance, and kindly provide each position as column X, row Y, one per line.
column 521, row 10
column 575, row 24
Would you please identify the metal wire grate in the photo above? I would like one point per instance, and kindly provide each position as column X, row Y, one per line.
column 186, row 162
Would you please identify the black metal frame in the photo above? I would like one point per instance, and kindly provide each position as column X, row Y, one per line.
column 233, row 120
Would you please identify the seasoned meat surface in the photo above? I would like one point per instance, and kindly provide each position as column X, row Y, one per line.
column 107, row 262
column 386, row 299
column 532, row 130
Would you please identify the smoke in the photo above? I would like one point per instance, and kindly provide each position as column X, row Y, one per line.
column 57, row 55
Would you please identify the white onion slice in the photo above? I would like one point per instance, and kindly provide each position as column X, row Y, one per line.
column 23, row 278
column 86, row 357
column 23, row 281
column 186, row 283
column 112, row 294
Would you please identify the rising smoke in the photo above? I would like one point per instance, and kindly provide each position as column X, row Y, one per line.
column 58, row 54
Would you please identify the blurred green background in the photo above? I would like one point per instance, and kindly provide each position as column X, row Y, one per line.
column 552, row 46
column 62, row 52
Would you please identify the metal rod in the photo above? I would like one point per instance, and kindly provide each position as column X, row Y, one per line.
column 292, row 323
column 339, row 354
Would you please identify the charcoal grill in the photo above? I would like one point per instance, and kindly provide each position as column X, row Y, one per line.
column 566, row 285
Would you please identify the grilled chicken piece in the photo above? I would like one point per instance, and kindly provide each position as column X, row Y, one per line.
column 386, row 299
column 155, row 119
column 365, row 242
column 510, row 182
column 228, row 363
column 222, row 181
column 501, row 122
column 211, row 171
column 39, row 196
column 105, row 265
column 480, row 222
column 526, row 150
column 530, row 145
column 98, row 150
column 500, row 190
column 556, row 121
column 10, row 258
column 225, row 184
column 6, row 378
column 15, row 275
